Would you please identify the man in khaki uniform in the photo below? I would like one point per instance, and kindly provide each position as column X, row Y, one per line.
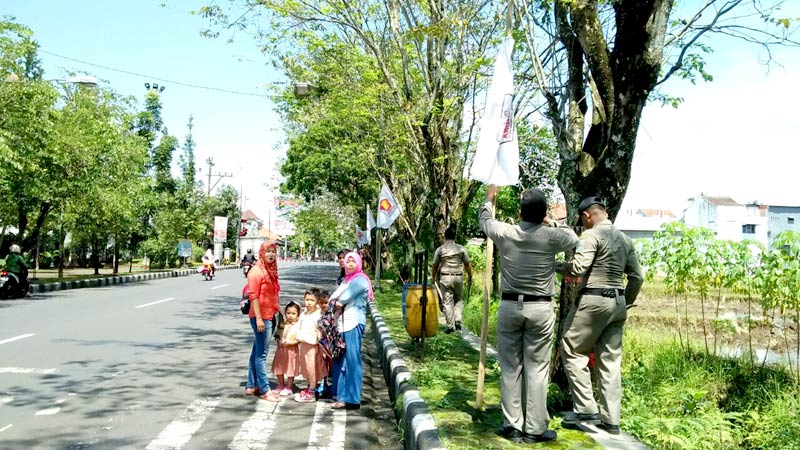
column 596, row 321
column 450, row 261
column 525, row 318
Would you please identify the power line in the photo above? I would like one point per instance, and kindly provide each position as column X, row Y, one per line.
column 195, row 86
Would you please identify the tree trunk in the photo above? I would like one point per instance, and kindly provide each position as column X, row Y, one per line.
column 116, row 256
column 31, row 239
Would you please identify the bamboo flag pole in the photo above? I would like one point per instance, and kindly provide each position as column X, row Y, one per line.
column 487, row 274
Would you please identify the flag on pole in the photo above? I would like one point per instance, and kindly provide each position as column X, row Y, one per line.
column 360, row 237
column 388, row 208
column 496, row 158
column 370, row 220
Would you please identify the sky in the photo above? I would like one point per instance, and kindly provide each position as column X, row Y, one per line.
column 736, row 136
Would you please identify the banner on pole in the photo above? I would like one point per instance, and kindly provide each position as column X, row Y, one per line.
column 185, row 248
column 388, row 208
column 496, row 158
column 370, row 220
column 220, row 229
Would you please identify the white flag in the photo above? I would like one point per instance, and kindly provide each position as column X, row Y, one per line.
column 370, row 220
column 388, row 208
column 497, row 154
column 360, row 237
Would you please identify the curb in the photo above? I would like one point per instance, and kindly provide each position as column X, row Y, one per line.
column 113, row 280
column 420, row 431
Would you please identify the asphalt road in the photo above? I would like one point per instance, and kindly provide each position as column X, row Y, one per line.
column 154, row 365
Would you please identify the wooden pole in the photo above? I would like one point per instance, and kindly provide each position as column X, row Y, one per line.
column 487, row 293
column 377, row 280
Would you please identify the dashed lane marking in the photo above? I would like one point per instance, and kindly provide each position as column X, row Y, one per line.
column 16, row 338
column 155, row 302
column 180, row 431
column 219, row 287
column 6, row 427
column 26, row 370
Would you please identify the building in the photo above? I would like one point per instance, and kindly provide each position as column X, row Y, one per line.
column 643, row 223
column 780, row 219
column 728, row 219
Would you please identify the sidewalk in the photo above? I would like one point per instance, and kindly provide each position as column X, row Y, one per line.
column 623, row 441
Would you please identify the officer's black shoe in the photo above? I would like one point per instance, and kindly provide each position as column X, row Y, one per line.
column 458, row 326
column 608, row 428
column 547, row 436
column 511, row 433
column 576, row 418
column 449, row 330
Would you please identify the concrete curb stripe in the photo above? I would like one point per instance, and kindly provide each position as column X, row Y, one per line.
column 421, row 431
column 40, row 288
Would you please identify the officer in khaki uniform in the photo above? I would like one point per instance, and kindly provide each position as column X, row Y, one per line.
column 450, row 261
column 596, row 321
column 525, row 318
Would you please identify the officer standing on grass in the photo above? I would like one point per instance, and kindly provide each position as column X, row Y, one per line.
column 525, row 318
column 596, row 320
column 450, row 261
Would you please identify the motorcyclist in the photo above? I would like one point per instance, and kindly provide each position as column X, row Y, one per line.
column 249, row 257
column 16, row 265
column 208, row 259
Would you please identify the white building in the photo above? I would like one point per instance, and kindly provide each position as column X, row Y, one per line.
column 782, row 218
column 643, row 223
column 728, row 219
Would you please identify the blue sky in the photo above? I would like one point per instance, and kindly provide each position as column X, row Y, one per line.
column 736, row 136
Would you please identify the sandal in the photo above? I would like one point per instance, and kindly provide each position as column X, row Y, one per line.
column 252, row 391
column 339, row 405
column 271, row 396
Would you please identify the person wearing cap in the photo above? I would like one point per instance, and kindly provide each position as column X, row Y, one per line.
column 450, row 261
column 596, row 320
column 525, row 318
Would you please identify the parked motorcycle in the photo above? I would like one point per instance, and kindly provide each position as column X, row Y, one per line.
column 11, row 286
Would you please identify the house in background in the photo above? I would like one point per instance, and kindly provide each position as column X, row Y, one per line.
column 728, row 219
column 643, row 223
column 782, row 218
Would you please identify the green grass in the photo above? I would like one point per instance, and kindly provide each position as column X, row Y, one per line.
column 447, row 379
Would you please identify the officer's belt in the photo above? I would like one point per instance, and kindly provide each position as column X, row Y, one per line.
column 452, row 274
column 605, row 292
column 525, row 297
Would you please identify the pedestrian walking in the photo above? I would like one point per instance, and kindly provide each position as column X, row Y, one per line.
column 308, row 335
column 342, row 274
column 351, row 298
column 285, row 365
column 450, row 262
column 525, row 318
column 596, row 320
column 262, row 282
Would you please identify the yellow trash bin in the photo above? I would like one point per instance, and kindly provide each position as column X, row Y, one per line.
column 412, row 310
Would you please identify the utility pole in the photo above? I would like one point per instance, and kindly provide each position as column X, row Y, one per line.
column 210, row 162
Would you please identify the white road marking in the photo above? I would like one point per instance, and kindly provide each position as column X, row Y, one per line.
column 219, row 287
column 48, row 411
column 16, row 338
column 24, row 370
column 6, row 399
column 155, row 302
column 180, row 431
column 335, row 435
column 255, row 432
column 6, row 427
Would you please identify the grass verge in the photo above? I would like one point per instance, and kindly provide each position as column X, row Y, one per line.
column 447, row 379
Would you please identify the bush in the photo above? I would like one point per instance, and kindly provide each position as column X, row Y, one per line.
column 776, row 426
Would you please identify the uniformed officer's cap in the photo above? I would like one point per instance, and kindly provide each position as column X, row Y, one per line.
column 589, row 201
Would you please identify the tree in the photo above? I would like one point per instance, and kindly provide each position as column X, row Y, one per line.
column 602, row 62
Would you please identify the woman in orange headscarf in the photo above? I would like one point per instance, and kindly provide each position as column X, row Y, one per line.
column 262, row 282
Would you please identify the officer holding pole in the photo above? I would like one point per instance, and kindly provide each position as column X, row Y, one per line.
column 525, row 318
column 450, row 262
column 596, row 320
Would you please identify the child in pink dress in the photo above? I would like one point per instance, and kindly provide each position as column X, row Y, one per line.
column 285, row 362
column 308, row 335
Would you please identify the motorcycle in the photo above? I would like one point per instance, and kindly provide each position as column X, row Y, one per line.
column 207, row 271
column 246, row 266
column 11, row 286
